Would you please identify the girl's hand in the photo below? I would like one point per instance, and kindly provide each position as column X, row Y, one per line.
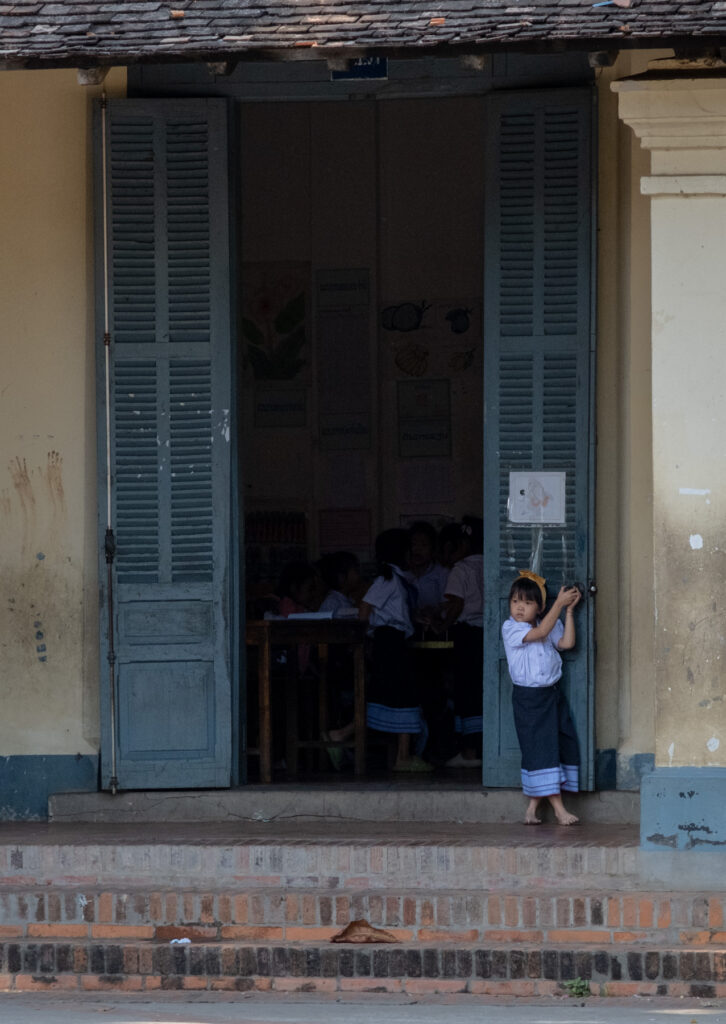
column 575, row 599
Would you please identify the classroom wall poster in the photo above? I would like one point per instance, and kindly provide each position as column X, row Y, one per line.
column 424, row 418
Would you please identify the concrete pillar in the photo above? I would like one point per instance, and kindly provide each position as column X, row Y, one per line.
column 682, row 121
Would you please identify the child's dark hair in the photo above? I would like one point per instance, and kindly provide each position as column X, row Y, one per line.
column 428, row 531
column 473, row 529
column 336, row 566
column 523, row 587
column 391, row 549
column 449, row 534
column 294, row 574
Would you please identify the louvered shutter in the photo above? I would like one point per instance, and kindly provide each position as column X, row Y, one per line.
column 537, row 381
column 170, row 397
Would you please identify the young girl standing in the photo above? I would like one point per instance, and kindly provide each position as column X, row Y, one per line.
column 532, row 641
column 387, row 607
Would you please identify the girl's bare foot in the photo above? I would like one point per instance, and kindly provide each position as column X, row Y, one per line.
column 561, row 813
column 530, row 815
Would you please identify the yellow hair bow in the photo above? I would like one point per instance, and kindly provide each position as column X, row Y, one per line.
column 538, row 580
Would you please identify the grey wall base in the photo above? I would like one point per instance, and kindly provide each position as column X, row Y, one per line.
column 683, row 809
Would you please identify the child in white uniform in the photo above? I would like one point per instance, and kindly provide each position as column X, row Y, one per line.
column 387, row 607
column 532, row 641
column 463, row 611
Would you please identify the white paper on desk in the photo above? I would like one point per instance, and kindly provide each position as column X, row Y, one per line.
column 346, row 613
column 310, row 615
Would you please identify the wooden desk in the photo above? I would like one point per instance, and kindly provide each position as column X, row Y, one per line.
column 269, row 633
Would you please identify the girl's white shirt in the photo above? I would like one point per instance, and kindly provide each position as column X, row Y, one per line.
column 534, row 664
column 466, row 580
column 335, row 601
column 389, row 603
column 430, row 585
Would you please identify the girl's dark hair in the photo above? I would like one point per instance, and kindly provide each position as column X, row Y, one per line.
column 294, row 574
column 391, row 549
column 421, row 526
column 449, row 534
column 336, row 565
column 526, row 588
column 473, row 528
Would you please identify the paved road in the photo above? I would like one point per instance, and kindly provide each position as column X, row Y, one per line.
column 54, row 1009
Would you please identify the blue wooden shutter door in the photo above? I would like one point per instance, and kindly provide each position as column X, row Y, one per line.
column 170, row 401
column 537, row 381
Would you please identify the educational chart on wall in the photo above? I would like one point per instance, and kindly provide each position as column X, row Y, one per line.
column 275, row 320
column 280, row 407
column 424, row 418
column 343, row 368
column 441, row 337
column 537, row 498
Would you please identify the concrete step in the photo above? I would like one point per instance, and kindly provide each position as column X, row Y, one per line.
column 491, row 969
column 416, row 801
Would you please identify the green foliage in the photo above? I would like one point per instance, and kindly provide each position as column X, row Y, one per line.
column 576, row 988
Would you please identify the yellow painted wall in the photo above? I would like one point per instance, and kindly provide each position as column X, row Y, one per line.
column 48, row 610
column 47, row 469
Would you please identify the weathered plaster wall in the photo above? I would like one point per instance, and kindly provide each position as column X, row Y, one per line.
column 624, row 504
column 48, row 608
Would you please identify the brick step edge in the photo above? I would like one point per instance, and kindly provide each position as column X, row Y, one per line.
column 654, row 971
column 316, row 914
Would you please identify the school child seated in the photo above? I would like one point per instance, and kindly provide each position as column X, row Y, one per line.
column 426, row 574
column 387, row 607
column 547, row 738
column 340, row 572
column 297, row 590
column 463, row 615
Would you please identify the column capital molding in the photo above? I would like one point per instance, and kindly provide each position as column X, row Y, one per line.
column 675, row 113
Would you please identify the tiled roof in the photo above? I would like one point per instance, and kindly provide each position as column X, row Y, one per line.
column 68, row 32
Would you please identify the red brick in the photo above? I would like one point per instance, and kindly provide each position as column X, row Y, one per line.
column 629, row 936
column 409, row 911
column 309, row 910
column 251, row 933
column 195, row 981
column 572, row 935
column 172, row 908
column 28, row 983
column 432, row 935
column 257, row 909
column 103, row 983
column 511, row 911
column 393, row 910
column 715, row 912
column 6, row 982
column 105, row 907
column 427, row 912
column 58, row 931
column 630, row 912
column 529, row 912
column 146, row 960
column 494, row 910
column 263, row 984
column 240, row 909
column 195, row 932
column 664, row 913
column 370, row 984
column 122, row 931
column 292, row 909
column 206, row 915
column 10, row 931
column 443, row 911
column 342, row 910
column 515, row 935
column 224, row 905
column 425, row 985
column 152, row 983
column 645, row 913
column 613, row 916
column 305, row 984
column 188, row 910
column 312, row 934
column 131, row 960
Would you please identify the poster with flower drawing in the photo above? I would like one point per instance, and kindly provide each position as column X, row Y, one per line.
column 275, row 320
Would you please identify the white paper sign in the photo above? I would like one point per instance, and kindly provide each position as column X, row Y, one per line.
column 536, row 497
